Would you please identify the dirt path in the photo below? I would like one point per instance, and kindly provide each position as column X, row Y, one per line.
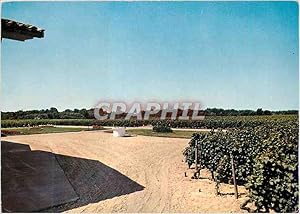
column 131, row 174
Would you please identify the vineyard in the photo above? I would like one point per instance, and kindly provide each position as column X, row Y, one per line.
column 265, row 157
column 215, row 122
column 262, row 149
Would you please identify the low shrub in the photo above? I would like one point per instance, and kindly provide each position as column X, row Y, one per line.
column 162, row 129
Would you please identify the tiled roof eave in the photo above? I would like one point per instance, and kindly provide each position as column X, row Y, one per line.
column 18, row 31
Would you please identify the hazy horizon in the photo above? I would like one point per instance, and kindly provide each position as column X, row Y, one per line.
column 61, row 110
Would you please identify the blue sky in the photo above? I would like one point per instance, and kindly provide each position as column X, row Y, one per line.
column 231, row 55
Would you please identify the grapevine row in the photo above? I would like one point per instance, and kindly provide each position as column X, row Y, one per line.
column 265, row 159
column 208, row 122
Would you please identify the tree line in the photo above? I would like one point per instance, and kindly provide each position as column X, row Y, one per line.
column 53, row 113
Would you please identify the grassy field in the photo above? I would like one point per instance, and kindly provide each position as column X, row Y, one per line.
column 39, row 130
column 174, row 134
column 45, row 130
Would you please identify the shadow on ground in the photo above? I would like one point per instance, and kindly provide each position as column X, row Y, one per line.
column 48, row 182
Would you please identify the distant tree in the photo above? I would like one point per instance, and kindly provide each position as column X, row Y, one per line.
column 91, row 114
column 71, row 115
column 267, row 112
column 30, row 116
column 246, row 112
column 231, row 112
column 84, row 113
column 53, row 113
column 259, row 111
column 43, row 116
column 54, row 110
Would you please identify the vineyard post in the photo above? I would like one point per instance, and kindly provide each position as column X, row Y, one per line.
column 217, row 187
column 233, row 177
column 196, row 155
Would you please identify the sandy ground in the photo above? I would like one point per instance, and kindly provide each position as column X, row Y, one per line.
column 131, row 174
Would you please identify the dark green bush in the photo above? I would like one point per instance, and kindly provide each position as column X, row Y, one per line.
column 162, row 129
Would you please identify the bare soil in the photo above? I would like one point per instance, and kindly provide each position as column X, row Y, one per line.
column 131, row 174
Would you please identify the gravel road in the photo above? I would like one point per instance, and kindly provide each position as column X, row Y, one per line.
column 130, row 174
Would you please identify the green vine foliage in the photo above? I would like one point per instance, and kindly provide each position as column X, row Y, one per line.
column 209, row 122
column 265, row 158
